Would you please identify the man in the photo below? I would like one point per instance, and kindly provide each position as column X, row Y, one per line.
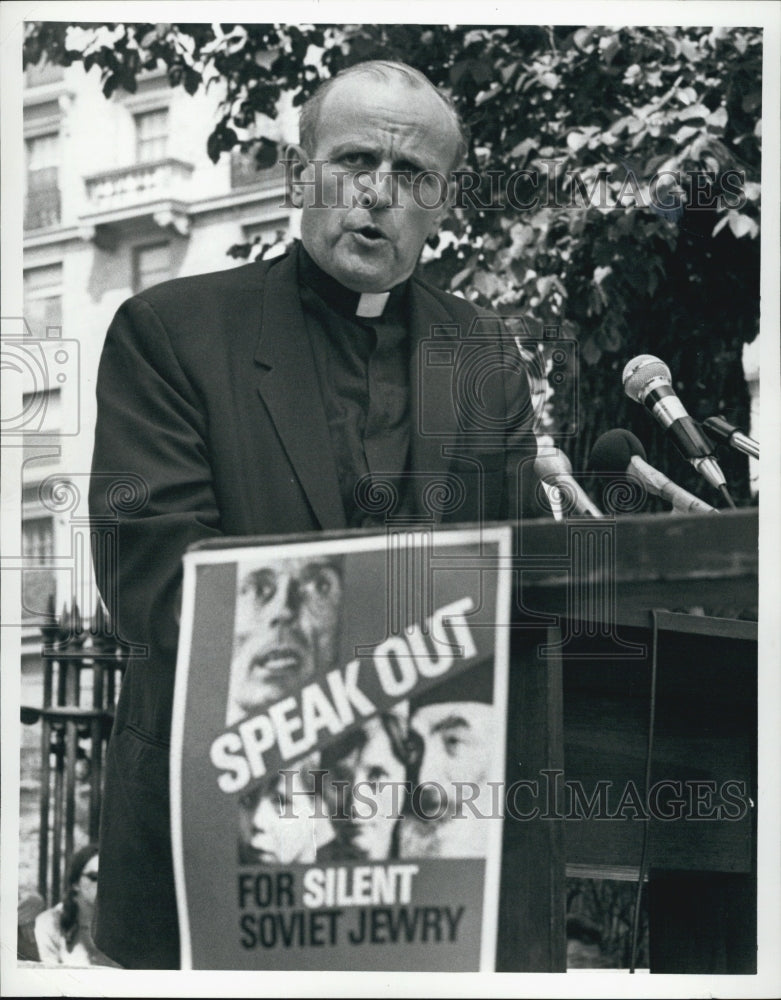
column 451, row 799
column 365, row 771
column 286, row 629
column 263, row 400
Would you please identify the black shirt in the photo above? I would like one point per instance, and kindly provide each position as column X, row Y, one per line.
column 363, row 371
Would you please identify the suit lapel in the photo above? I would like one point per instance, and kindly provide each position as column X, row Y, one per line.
column 288, row 385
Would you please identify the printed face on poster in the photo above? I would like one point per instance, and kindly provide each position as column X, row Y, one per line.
column 338, row 743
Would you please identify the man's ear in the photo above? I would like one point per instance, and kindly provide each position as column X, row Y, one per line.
column 297, row 162
column 452, row 181
column 439, row 214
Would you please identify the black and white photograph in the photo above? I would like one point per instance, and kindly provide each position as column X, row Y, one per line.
column 339, row 316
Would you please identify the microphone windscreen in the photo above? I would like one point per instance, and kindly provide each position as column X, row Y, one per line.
column 614, row 450
column 638, row 373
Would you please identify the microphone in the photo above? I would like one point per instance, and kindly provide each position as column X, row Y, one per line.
column 647, row 380
column 733, row 436
column 620, row 451
column 555, row 468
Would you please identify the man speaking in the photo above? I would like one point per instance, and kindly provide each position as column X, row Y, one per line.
column 327, row 389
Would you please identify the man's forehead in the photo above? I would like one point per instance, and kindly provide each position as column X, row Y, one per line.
column 292, row 567
column 448, row 714
column 364, row 107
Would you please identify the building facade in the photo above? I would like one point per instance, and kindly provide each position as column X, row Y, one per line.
column 119, row 195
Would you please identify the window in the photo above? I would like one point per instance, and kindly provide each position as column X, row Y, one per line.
column 152, row 135
column 44, row 72
column 46, row 406
column 151, row 265
column 42, row 204
column 43, row 298
column 38, row 584
column 246, row 173
column 42, row 410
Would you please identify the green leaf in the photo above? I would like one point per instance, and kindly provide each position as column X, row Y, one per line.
column 690, row 50
column 719, row 118
column 694, row 111
column 266, row 154
column 213, row 147
column 684, row 133
column 751, row 101
column 458, row 279
column 742, row 225
column 610, row 338
column 522, row 149
column 590, row 351
column 488, row 95
column 576, row 141
column 192, row 80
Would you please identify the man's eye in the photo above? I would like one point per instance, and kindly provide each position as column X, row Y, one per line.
column 260, row 588
column 452, row 743
column 360, row 160
column 321, row 583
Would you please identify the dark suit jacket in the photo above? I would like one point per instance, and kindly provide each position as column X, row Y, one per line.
column 210, row 422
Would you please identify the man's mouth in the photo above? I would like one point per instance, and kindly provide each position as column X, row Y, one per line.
column 281, row 659
column 369, row 234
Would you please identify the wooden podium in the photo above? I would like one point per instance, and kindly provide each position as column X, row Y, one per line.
column 614, row 621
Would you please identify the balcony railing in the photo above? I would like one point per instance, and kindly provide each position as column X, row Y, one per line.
column 42, row 208
column 138, row 184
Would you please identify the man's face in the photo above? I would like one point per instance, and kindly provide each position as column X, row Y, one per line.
column 457, row 743
column 287, row 623
column 370, row 239
column 370, row 828
column 276, row 821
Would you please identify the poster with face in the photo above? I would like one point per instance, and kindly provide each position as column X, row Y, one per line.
column 338, row 742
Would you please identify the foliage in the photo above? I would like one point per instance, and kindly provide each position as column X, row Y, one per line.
column 642, row 150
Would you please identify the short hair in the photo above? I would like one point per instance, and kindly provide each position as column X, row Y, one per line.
column 402, row 742
column 381, row 69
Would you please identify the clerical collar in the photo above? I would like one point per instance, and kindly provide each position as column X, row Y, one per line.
column 360, row 305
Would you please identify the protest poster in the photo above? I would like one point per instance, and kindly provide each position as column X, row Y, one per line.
column 338, row 752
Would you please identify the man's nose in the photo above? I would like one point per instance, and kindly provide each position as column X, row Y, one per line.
column 377, row 188
column 264, row 815
column 432, row 767
column 286, row 601
column 429, row 796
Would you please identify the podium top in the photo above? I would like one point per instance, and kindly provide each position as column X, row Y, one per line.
column 697, row 563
